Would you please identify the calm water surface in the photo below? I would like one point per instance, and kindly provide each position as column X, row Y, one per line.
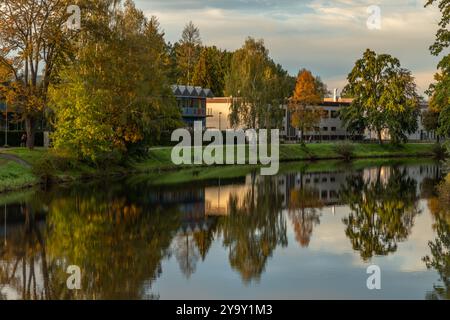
column 294, row 236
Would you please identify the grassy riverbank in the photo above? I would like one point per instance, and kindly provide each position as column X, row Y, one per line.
column 160, row 158
column 22, row 168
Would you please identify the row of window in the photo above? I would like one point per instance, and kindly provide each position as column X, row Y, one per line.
column 191, row 103
column 317, row 180
column 333, row 114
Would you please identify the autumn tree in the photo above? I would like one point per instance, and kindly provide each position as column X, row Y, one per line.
column 33, row 37
column 187, row 53
column 384, row 98
column 115, row 94
column 257, row 85
column 303, row 103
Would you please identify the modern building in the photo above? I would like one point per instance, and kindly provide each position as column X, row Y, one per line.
column 192, row 103
column 220, row 111
column 331, row 127
column 12, row 127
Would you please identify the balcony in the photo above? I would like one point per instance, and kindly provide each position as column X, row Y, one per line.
column 196, row 112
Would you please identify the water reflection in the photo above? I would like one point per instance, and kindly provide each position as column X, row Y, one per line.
column 121, row 236
column 383, row 208
column 439, row 258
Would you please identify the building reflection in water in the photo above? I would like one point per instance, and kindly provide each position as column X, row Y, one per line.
column 120, row 236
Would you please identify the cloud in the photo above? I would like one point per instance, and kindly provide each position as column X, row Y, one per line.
column 322, row 35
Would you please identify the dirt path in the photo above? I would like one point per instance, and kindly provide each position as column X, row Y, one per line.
column 15, row 159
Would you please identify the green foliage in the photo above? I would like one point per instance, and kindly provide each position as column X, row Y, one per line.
column 260, row 86
column 440, row 151
column 345, row 150
column 385, row 98
column 439, row 91
column 115, row 94
column 187, row 53
column 212, row 66
column 443, row 34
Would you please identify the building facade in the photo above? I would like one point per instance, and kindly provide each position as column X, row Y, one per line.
column 192, row 103
column 331, row 127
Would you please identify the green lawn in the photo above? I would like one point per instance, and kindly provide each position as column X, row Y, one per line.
column 160, row 158
column 15, row 176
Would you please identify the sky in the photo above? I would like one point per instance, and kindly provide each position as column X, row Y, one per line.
column 324, row 36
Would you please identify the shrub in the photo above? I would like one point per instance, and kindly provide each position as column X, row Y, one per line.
column 439, row 151
column 345, row 150
column 44, row 169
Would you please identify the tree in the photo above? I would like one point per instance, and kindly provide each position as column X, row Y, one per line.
column 32, row 39
column 115, row 95
column 443, row 34
column 187, row 53
column 384, row 98
column 211, row 68
column 430, row 121
column 307, row 95
column 258, row 86
column 439, row 92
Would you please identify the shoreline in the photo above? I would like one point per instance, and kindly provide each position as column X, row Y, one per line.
column 17, row 176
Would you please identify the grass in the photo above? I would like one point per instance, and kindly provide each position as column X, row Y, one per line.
column 160, row 158
column 15, row 176
column 158, row 168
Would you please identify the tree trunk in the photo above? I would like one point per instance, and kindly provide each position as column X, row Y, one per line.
column 301, row 136
column 380, row 138
column 30, row 130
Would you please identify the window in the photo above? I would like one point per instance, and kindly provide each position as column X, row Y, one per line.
column 324, row 194
column 334, row 114
column 333, row 129
column 325, row 129
column 325, row 114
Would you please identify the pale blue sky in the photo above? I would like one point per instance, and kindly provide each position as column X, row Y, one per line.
column 322, row 35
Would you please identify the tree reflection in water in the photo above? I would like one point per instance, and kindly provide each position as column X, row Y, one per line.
column 439, row 258
column 254, row 228
column 117, row 244
column 24, row 258
column 382, row 212
column 303, row 212
column 120, row 236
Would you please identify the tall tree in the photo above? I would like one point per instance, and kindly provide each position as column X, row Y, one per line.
column 188, row 52
column 256, row 83
column 443, row 34
column 439, row 92
column 303, row 104
column 211, row 68
column 115, row 94
column 384, row 97
column 33, row 38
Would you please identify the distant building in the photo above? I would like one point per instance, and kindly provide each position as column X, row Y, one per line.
column 16, row 127
column 329, row 128
column 192, row 103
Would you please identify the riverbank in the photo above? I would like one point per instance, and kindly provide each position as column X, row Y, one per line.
column 21, row 168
